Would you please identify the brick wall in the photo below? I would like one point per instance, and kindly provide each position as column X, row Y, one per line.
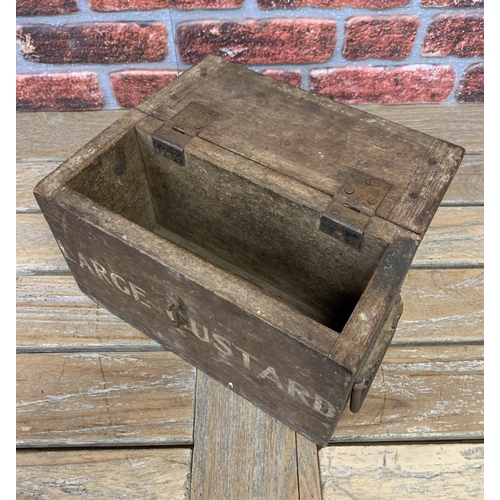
column 95, row 54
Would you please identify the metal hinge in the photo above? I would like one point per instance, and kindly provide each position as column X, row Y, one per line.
column 349, row 212
column 173, row 137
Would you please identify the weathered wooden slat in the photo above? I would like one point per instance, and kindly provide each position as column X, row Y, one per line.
column 36, row 250
column 98, row 399
column 467, row 187
column 449, row 122
column 53, row 315
column 27, row 176
column 455, row 238
column 440, row 306
column 308, row 469
column 429, row 391
column 356, row 140
column 426, row 471
column 240, row 451
column 425, row 393
column 58, row 135
column 421, row 393
column 98, row 474
column 427, row 187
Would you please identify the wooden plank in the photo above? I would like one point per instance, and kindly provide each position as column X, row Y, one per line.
column 421, row 393
column 240, row 451
column 440, row 306
column 98, row 399
column 420, row 200
column 36, row 250
column 455, row 238
column 27, row 176
column 152, row 473
column 308, row 469
column 467, row 187
column 53, row 315
column 430, row 393
column 455, row 123
column 293, row 129
column 59, row 135
column 426, row 471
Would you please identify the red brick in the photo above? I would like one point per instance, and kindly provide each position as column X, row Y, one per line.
column 292, row 77
column 273, row 41
column 45, row 7
column 332, row 4
column 58, row 92
column 131, row 87
column 103, row 43
column 459, row 35
column 471, row 86
column 382, row 37
column 117, row 5
column 384, row 85
column 452, row 3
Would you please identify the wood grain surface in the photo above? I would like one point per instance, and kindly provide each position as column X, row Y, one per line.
column 420, row 393
column 104, row 399
column 308, row 469
column 454, row 239
column 101, row 474
column 28, row 174
column 240, row 452
column 467, row 187
column 442, row 306
column 58, row 135
column 402, row 387
column 53, row 315
column 429, row 387
column 424, row 472
column 36, row 250
column 464, row 127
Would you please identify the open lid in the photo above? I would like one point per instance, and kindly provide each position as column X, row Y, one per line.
column 370, row 166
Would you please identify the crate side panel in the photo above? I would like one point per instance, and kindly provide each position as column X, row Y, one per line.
column 273, row 369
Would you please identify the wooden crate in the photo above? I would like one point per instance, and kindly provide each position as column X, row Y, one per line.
column 260, row 232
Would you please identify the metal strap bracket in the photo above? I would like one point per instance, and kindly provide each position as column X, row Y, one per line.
column 350, row 210
column 173, row 137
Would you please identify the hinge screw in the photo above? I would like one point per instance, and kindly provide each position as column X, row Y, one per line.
column 372, row 201
column 349, row 190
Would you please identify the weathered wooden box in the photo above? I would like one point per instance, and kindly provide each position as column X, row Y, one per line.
column 259, row 231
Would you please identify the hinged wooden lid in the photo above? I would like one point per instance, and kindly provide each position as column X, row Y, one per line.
column 368, row 165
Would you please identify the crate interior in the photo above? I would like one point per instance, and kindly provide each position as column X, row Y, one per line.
column 246, row 229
